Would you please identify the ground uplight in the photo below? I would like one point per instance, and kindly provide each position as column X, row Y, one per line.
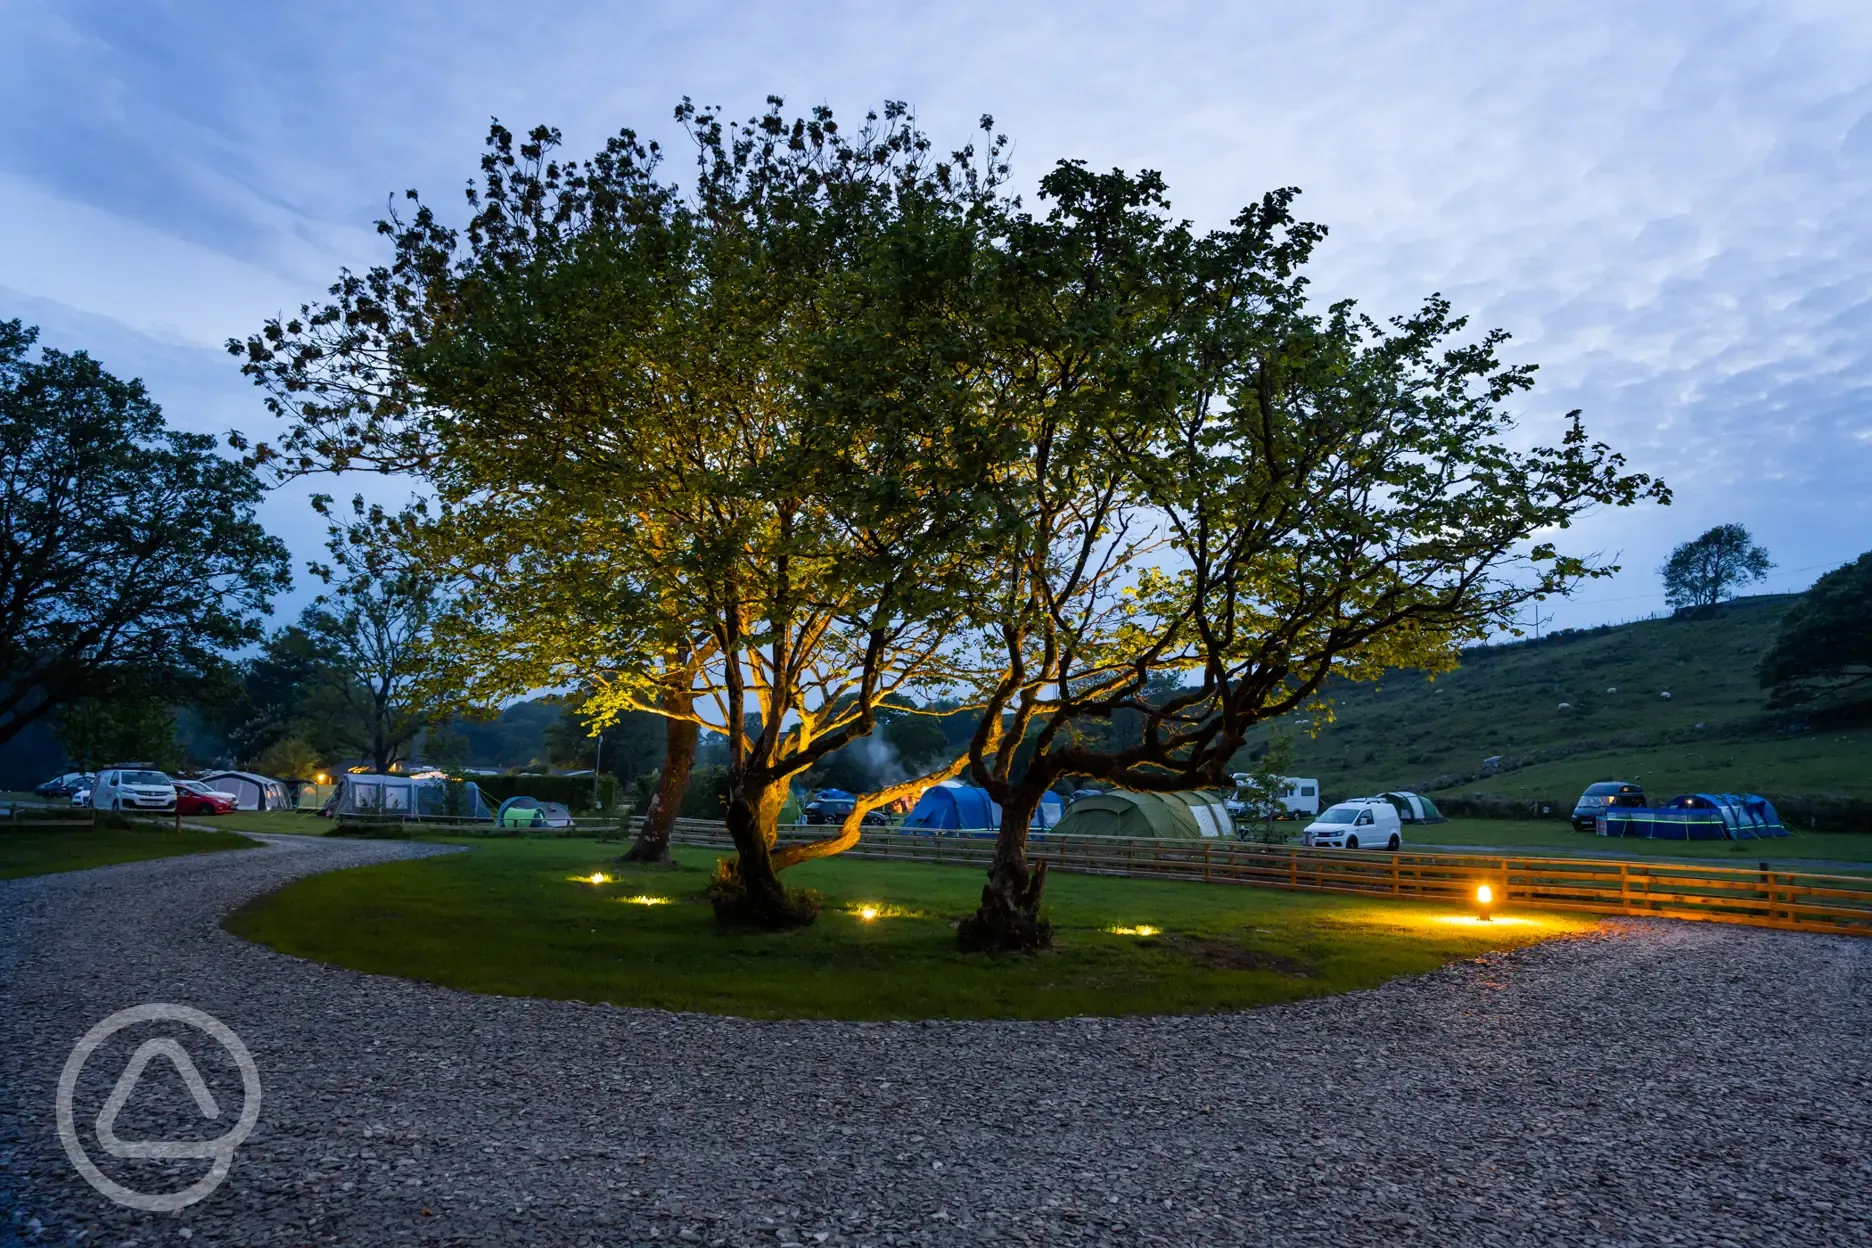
column 596, row 877
column 1142, row 929
column 644, row 899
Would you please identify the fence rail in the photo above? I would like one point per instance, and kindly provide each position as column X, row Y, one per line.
column 1765, row 898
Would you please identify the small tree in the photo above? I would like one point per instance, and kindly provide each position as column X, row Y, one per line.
column 1267, row 786
column 1823, row 653
column 97, row 732
column 1712, row 568
column 291, row 758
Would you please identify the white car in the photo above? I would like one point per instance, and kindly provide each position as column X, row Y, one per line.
column 82, row 797
column 134, row 790
column 1362, row 823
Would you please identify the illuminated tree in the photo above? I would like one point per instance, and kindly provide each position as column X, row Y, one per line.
column 702, row 455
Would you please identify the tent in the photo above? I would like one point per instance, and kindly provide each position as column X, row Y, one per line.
column 251, row 792
column 1148, row 816
column 1414, row 808
column 956, row 807
column 1696, row 817
column 407, row 797
column 530, row 812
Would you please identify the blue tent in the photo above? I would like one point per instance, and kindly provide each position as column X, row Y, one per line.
column 1696, row 817
column 955, row 807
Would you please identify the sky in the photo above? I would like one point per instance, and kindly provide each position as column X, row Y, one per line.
column 1668, row 205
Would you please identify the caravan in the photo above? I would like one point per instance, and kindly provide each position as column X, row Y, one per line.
column 1299, row 798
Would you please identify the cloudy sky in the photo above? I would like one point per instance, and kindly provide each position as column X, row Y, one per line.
column 1668, row 204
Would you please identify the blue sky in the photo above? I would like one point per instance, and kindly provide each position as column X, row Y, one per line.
column 1668, row 204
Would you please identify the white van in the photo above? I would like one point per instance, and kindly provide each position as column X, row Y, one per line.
column 133, row 790
column 1362, row 823
column 1299, row 797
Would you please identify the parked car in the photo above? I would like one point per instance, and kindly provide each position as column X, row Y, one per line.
column 192, row 797
column 830, row 806
column 82, row 797
column 1362, row 823
column 1598, row 797
column 65, row 785
column 134, row 790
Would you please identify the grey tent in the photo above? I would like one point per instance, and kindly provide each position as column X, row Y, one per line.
column 407, row 797
column 251, row 791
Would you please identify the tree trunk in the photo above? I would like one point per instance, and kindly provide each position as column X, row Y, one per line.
column 747, row 890
column 1009, row 915
column 679, row 753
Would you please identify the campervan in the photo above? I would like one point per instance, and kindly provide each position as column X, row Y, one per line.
column 1299, row 797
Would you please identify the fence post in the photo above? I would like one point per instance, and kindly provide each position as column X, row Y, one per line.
column 1624, row 888
column 1205, row 862
column 1394, row 879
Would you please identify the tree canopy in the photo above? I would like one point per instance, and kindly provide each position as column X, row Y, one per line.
column 1708, row 569
column 1823, row 653
column 132, row 558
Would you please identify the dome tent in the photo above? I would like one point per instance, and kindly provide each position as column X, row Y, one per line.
column 530, row 812
column 1414, row 808
column 1696, row 817
column 1148, row 816
column 956, row 807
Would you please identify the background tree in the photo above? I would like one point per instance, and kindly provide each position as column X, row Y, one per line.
column 1266, row 789
column 289, row 758
column 131, row 557
column 101, row 732
column 1823, row 653
column 1704, row 572
column 371, row 694
column 690, row 453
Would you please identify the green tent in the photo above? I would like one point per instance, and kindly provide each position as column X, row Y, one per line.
column 1147, row 816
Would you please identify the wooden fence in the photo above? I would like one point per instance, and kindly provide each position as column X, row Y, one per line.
column 1765, row 898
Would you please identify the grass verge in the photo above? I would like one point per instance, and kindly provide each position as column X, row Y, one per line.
column 44, row 851
column 1538, row 836
column 511, row 918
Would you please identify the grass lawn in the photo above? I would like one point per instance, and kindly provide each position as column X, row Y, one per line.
column 1538, row 836
column 42, row 851
column 1818, row 762
column 509, row 917
column 289, row 821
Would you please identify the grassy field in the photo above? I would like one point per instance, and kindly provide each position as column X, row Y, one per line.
column 1824, row 762
column 509, row 917
column 1536, row 836
column 43, row 851
column 1407, row 731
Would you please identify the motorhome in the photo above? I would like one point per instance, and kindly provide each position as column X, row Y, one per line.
column 1299, row 798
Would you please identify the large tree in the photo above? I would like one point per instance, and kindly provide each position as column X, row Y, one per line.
column 1823, row 652
column 371, row 695
column 131, row 558
column 1708, row 569
column 697, row 453
column 1229, row 485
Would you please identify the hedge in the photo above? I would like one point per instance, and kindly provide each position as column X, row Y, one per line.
column 574, row 792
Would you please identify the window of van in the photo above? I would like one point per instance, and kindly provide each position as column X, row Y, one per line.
column 1364, row 816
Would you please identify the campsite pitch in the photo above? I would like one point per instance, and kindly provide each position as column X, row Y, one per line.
column 526, row 918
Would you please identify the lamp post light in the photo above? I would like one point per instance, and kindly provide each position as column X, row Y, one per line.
column 1484, row 901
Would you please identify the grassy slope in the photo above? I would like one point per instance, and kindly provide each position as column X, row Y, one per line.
column 1409, row 730
column 42, row 851
column 508, row 918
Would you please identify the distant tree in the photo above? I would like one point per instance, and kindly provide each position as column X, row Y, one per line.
column 1706, row 571
column 97, row 732
column 130, row 558
column 1823, row 652
column 1267, row 785
column 371, row 696
column 289, row 758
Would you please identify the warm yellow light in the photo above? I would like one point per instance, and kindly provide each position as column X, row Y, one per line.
column 1484, row 894
column 643, row 899
column 867, row 913
column 599, row 877
column 322, row 778
column 1142, row 929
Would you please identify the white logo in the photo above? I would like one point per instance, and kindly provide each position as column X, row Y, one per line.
column 221, row 1149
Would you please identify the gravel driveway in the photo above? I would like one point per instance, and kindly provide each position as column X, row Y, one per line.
column 1654, row 1083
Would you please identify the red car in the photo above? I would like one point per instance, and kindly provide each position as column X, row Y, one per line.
column 192, row 797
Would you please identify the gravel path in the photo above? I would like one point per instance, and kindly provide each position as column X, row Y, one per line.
column 1654, row 1083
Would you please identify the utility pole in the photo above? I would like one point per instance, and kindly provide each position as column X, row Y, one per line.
column 597, row 763
column 1539, row 619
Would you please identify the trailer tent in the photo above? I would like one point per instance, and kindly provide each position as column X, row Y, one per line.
column 251, row 792
column 956, row 807
column 1696, row 817
column 406, row 797
column 1148, row 816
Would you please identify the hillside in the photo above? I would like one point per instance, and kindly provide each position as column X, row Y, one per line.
column 1713, row 732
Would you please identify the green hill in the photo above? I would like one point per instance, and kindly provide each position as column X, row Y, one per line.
column 1586, row 705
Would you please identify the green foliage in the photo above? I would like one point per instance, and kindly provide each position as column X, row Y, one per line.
column 132, row 558
column 1710, row 569
column 370, row 694
column 1823, row 651
column 97, row 732
column 290, row 758
column 573, row 792
column 1267, row 784
column 706, row 796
